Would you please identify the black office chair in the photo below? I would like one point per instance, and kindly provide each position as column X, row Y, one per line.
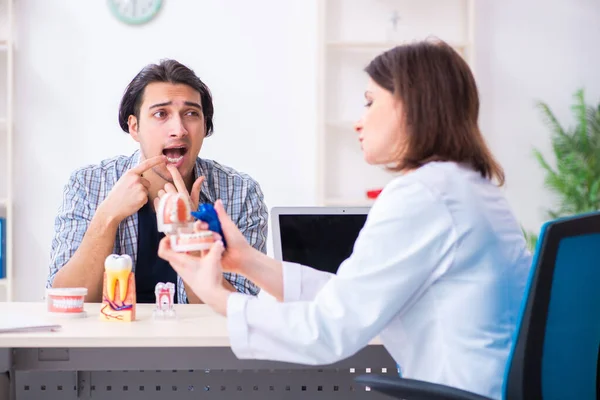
column 557, row 348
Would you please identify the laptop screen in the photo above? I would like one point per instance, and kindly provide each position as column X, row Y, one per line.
column 322, row 242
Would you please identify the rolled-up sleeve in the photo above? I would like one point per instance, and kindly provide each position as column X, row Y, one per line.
column 407, row 242
column 70, row 225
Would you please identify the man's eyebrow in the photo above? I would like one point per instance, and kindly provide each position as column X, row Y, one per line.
column 168, row 103
column 192, row 104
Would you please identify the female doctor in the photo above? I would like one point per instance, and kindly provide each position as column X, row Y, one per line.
column 439, row 268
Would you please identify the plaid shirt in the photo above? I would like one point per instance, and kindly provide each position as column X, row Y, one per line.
column 89, row 186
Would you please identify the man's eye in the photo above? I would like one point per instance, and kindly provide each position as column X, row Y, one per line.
column 193, row 113
column 160, row 114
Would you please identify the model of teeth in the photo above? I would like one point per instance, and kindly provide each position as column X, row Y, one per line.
column 174, row 211
column 196, row 241
column 118, row 268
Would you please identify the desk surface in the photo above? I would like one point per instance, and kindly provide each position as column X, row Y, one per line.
column 196, row 326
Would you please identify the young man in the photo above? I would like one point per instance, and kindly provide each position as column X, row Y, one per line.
column 110, row 207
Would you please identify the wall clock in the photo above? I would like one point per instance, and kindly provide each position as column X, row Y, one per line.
column 134, row 12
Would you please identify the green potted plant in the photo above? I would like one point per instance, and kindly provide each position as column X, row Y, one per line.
column 574, row 176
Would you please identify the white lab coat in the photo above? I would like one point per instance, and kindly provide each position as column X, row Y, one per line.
column 437, row 272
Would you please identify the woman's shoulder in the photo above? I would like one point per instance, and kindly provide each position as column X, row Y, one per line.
column 440, row 179
column 432, row 177
column 413, row 193
column 450, row 186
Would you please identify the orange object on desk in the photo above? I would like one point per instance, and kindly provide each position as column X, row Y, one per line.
column 118, row 290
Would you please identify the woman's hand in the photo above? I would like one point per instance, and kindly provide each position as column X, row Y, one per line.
column 238, row 249
column 243, row 259
column 202, row 273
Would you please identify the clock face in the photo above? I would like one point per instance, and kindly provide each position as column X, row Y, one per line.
column 134, row 11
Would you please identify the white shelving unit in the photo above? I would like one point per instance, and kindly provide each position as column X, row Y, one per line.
column 351, row 33
column 6, row 141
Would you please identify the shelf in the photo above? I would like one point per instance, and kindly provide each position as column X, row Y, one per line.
column 351, row 33
column 7, row 69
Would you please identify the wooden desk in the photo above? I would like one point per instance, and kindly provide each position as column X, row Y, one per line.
column 147, row 359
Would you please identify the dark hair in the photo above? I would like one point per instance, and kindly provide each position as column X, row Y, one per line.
column 441, row 106
column 169, row 71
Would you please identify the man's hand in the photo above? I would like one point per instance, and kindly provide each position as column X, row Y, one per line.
column 179, row 187
column 130, row 193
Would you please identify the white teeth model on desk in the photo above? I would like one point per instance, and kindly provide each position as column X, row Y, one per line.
column 165, row 294
column 117, row 268
column 118, row 289
column 66, row 302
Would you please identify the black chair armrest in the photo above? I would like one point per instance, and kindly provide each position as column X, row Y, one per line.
column 410, row 389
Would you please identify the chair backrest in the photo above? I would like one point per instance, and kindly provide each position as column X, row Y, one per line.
column 557, row 348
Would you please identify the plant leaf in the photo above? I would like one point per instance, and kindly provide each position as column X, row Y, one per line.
column 575, row 178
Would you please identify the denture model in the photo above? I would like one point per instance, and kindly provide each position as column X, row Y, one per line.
column 174, row 218
column 165, row 293
column 66, row 302
column 118, row 291
column 197, row 241
column 174, row 213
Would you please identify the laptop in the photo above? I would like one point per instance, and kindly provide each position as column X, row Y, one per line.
column 318, row 237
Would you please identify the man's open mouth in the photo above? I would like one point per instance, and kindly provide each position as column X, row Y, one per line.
column 175, row 154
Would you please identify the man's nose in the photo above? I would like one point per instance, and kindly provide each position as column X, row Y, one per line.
column 177, row 128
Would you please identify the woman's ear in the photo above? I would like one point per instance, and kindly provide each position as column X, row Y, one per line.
column 132, row 122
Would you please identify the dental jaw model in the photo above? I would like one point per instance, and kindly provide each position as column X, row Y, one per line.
column 196, row 241
column 173, row 214
column 174, row 218
column 118, row 292
column 165, row 293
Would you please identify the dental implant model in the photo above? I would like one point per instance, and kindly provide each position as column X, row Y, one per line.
column 118, row 291
column 165, row 294
column 173, row 214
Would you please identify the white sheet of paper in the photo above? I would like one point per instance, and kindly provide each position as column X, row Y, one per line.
column 10, row 323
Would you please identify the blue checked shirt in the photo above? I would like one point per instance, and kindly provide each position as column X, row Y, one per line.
column 89, row 186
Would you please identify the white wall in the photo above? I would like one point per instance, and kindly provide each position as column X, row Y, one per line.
column 530, row 50
column 74, row 60
column 73, row 63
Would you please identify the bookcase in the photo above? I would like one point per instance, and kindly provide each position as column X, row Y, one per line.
column 350, row 34
column 6, row 144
